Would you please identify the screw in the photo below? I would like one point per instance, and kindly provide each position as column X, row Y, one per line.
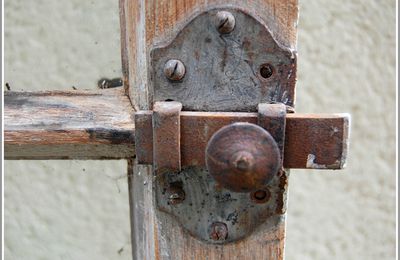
column 225, row 22
column 218, row 231
column 174, row 70
column 176, row 195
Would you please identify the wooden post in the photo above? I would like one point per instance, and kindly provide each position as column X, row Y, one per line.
column 146, row 23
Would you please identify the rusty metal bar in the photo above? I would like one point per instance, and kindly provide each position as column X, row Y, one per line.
column 272, row 117
column 314, row 141
column 166, row 137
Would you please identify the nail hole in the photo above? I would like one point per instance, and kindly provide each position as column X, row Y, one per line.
column 260, row 196
column 266, row 70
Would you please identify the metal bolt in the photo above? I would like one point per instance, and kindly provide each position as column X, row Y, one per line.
column 218, row 231
column 225, row 22
column 174, row 70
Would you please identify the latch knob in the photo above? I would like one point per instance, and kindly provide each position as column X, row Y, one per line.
column 242, row 157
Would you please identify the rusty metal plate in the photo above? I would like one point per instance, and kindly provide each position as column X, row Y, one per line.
column 224, row 71
column 200, row 205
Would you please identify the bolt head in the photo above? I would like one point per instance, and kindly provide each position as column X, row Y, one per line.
column 225, row 22
column 218, row 231
column 174, row 70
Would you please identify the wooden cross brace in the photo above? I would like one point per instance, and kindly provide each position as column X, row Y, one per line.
column 101, row 124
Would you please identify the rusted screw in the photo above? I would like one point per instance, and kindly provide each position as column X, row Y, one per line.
column 225, row 22
column 174, row 70
column 218, row 231
column 176, row 196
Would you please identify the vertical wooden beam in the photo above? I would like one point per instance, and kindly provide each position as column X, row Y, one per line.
column 146, row 23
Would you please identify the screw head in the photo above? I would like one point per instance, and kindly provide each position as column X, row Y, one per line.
column 174, row 70
column 225, row 22
column 218, row 231
column 176, row 195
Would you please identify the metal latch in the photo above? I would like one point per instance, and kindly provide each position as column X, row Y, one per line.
column 222, row 131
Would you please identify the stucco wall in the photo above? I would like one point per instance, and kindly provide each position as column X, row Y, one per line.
column 79, row 209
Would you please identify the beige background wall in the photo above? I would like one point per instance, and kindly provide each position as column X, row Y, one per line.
column 79, row 209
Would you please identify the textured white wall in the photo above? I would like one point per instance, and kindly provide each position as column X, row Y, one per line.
column 79, row 209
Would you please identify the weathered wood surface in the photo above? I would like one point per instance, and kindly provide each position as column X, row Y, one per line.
column 146, row 23
column 68, row 125
column 313, row 141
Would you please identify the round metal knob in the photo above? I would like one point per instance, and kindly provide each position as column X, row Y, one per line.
column 242, row 157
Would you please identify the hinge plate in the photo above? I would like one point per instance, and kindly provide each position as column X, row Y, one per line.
column 205, row 203
column 197, row 199
column 225, row 72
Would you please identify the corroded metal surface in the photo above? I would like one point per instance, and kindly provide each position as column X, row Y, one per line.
column 242, row 157
column 166, row 137
column 227, row 60
column 206, row 203
column 311, row 140
column 237, row 192
column 273, row 118
column 232, row 71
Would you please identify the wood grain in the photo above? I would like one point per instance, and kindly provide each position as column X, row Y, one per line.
column 68, row 125
column 147, row 23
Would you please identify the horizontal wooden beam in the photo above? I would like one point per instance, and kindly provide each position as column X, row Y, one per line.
column 68, row 125
column 312, row 141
